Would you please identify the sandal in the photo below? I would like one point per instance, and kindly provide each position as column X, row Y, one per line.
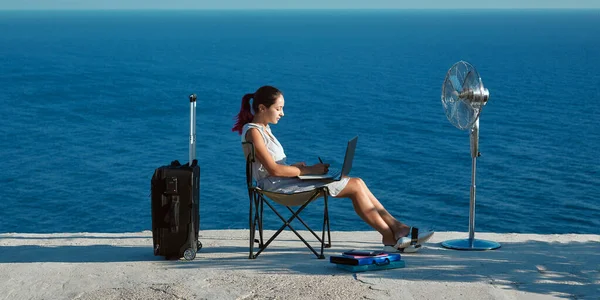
column 414, row 239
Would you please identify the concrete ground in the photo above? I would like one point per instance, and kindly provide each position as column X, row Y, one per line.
column 122, row 266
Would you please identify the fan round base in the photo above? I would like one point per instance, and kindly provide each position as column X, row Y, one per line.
column 471, row 245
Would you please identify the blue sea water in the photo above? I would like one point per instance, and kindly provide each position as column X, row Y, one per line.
column 93, row 101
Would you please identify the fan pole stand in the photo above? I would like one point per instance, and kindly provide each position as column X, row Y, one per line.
column 472, row 244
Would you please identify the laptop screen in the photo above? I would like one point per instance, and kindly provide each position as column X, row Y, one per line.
column 349, row 156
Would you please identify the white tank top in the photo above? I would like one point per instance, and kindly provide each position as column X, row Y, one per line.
column 273, row 146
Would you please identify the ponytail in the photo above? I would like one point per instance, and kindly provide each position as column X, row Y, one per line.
column 265, row 95
column 245, row 115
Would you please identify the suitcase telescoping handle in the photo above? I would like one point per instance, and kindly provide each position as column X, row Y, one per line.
column 192, row 128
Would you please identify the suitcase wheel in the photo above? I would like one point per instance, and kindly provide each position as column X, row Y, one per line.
column 189, row 254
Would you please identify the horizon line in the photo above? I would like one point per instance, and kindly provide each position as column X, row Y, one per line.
column 297, row 9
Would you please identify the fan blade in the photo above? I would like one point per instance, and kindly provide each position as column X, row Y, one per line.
column 456, row 83
column 450, row 93
column 472, row 81
column 465, row 115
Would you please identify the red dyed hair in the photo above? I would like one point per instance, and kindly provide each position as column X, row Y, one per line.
column 265, row 95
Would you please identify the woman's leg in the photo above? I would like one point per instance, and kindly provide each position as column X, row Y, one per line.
column 400, row 229
column 366, row 208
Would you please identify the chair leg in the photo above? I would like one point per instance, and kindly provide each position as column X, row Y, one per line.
column 328, row 224
column 260, row 221
column 325, row 224
column 251, row 220
column 324, row 243
column 265, row 245
column 257, row 224
column 305, row 225
column 287, row 223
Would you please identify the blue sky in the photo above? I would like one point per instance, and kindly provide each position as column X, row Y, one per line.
column 293, row 4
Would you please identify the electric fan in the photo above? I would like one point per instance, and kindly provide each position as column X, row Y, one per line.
column 463, row 97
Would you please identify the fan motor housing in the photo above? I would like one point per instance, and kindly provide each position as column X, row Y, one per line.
column 475, row 96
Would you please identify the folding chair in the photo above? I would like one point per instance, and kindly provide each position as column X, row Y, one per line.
column 258, row 197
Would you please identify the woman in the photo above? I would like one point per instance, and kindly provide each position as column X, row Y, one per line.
column 272, row 173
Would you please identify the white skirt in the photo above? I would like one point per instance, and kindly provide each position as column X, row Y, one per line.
column 289, row 185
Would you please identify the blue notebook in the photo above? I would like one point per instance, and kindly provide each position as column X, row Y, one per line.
column 367, row 260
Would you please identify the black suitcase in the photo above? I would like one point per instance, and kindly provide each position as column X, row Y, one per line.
column 175, row 203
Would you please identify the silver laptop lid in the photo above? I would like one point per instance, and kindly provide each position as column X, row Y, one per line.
column 349, row 157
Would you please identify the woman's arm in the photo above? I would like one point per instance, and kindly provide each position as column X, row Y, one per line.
column 275, row 169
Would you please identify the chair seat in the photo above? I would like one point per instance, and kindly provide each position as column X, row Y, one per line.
column 294, row 199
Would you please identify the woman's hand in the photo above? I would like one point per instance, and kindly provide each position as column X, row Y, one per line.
column 319, row 168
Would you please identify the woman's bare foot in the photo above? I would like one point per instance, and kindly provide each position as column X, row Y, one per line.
column 388, row 241
column 400, row 231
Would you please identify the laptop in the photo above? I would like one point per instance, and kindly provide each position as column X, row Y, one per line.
column 336, row 174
